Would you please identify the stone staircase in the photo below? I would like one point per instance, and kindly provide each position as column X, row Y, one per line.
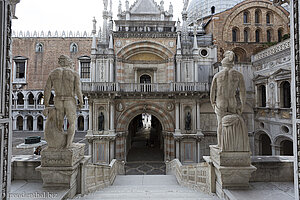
column 146, row 187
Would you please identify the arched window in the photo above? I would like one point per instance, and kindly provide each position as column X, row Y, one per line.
column 257, row 35
column 40, row 123
column 20, row 123
column 246, row 17
column 257, row 16
column 265, row 145
column 285, row 88
column 269, row 36
column 280, row 35
column 286, row 148
column 29, row 123
column 51, row 101
column 39, row 47
column 80, row 123
column 73, row 48
column 234, row 35
column 40, row 99
column 20, row 100
column 262, row 95
column 145, row 79
column 213, row 10
column 268, row 18
column 30, row 99
column 246, row 35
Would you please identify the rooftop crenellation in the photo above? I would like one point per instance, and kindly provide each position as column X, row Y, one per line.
column 52, row 34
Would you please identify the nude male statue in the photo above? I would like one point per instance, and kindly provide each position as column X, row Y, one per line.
column 66, row 83
column 223, row 92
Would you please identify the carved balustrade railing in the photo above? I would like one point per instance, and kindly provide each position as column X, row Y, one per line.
column 144, row 87
column 272, row 50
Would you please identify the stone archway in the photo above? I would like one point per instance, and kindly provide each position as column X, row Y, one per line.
column 162, row 115
column 166, row 120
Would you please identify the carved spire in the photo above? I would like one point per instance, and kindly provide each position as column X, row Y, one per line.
column 171, row 9
column 127, row 5
column 94, row 42
column 120, row 8
column 110, row 9
column 195, row 46
column 178, row 43
column 105, row 3
column 162, row 6
column 94, row 26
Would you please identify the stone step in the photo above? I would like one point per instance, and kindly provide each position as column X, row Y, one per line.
column 146, row 187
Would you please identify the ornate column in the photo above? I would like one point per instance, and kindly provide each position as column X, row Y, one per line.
column 111, row 68
column 178, row 71
column 196, row 70
column 177, row 117
column 198, row 116
column 112, row 117
column 135, row 76
column 277, row 95
column 155, row 76
column 256, row 96
column 34, row 123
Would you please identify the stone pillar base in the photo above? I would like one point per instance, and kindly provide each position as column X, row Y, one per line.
column 60, row 167
column 232, row 169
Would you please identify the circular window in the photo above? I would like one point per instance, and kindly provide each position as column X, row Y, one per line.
column 262, row 125
column 285, row 129
column 204, row 52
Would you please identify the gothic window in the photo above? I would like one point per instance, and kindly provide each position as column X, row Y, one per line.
column 20, row 100
column 20, row 123
column 246, row 17
column 73, row 48
column 257, row 35
column 246, row 35
column 40, row 123
column 262, row 95
column 269, row 36
column 265, row 145
column 39, row 47
column 29, row 123
column 51, row 100
column 279, row 35
column 40, row 99
column 30, row 99
column 80, row 123
column 285, row 94
column 257, row 16
column 286, row 148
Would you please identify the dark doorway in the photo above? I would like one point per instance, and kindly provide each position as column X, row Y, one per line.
column 145, row 146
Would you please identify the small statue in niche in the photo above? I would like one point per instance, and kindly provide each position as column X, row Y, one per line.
column 188, row 121
column 101, row 122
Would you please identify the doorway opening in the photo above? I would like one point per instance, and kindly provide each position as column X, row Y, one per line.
column 145, row 154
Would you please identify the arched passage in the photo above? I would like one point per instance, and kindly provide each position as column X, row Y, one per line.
column 265, row 145
column 127, row 122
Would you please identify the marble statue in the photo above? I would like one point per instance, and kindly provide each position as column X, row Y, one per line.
column 188, row 121
column 231, row 133
column 185, row 4
column 66, row 84
column 101, row 122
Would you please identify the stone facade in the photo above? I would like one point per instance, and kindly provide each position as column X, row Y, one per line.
column 273, row 132
column 38, row 56
column 247, row 28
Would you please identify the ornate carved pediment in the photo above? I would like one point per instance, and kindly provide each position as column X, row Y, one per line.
column 281, row 74
column 260, row 78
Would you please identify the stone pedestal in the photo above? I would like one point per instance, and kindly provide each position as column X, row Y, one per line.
column 232, row 169
column 60, row 167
